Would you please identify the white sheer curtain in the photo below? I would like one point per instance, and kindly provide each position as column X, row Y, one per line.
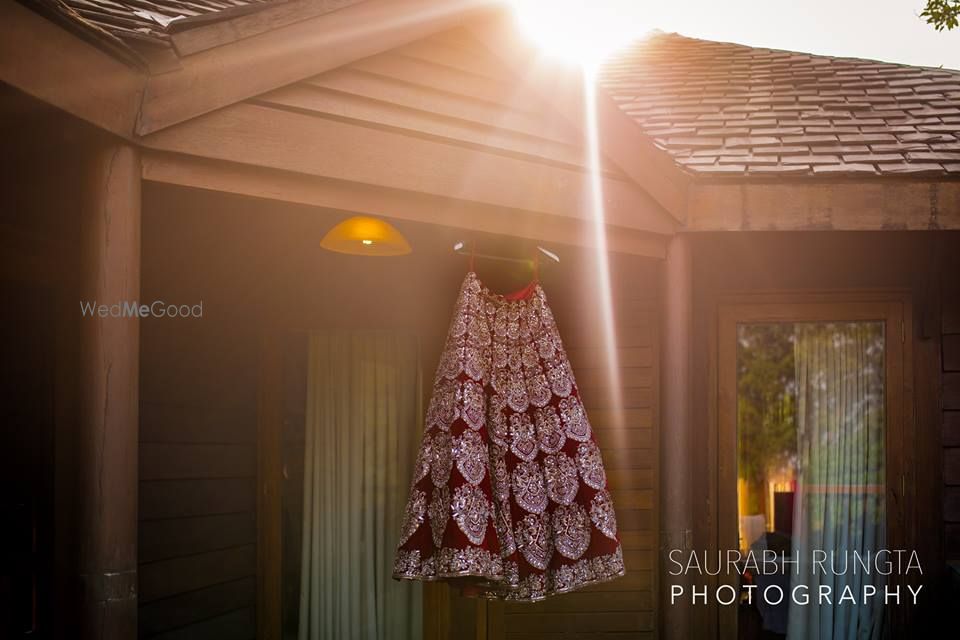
column 362, row 426
column 839, row 507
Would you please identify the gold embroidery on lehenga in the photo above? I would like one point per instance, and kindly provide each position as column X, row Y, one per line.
column 471, row 512
column 471, row 456
column 571, row 530
column 602, row 514
column 439, row 514
column 534, row 539
column 528, row 489
column 413, row 514
column 560, row 472
column 441, row 461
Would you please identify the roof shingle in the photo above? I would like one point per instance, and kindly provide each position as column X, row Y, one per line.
column 723, row 110
column 148, row 20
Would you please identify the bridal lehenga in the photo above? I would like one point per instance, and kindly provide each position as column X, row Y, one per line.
column 509, row 496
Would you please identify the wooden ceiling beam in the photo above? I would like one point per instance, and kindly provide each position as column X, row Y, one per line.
column 228, row 177
column 224, row 75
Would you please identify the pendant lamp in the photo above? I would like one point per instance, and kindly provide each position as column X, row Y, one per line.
column 366, row 236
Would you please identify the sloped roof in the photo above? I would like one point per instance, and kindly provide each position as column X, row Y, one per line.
column 718, row 110
column 149, row 20
column 728, row 110
column 132, row 29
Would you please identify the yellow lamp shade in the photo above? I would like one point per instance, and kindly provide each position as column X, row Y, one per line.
column 366, row 236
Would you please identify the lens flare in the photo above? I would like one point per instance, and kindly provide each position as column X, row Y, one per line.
column 591, row 128
column 582, row 32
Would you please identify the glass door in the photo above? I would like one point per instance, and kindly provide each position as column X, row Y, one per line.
column 810, row 428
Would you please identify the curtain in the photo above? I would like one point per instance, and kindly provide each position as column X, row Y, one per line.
column 839, row 506
column 362, row 426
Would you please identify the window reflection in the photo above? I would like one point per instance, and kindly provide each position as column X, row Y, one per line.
column 810, row 466
column 766, row 430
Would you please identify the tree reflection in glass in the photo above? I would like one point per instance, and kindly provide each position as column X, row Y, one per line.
column 766, row 426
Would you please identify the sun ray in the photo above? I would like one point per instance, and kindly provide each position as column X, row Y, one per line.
column 598, row 219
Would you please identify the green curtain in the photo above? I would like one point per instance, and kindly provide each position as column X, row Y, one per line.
column 362, row 428
column 839, row 506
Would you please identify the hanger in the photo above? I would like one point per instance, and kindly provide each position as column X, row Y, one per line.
column 461, row 248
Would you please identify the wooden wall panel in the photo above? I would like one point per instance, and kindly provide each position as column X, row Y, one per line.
column 235, row 625
column 174, row 461
column 625, row 607
column 951, row 352
column 951, row 391
column 179, row 612
column 177, row 537
column 950, row 400
column 166, row 578
column 197, row 511
column 170, row 423
column 951, row 429
column 195, row 497
column 950, row 327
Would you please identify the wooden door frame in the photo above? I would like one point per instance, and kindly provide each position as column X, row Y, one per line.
column 893, row 307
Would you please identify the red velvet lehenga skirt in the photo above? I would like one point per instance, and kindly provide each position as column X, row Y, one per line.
column 509, row 494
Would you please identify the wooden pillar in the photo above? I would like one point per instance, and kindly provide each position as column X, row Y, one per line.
column 108, row 380
column 676, row 435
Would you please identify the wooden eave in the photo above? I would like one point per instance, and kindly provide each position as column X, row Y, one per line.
column 876, row 204
column 68, row 72
column 183, row 113
column 210, row 111
column 206, row 31
column 224, row 75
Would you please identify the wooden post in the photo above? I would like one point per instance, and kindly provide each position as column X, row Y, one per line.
column 676, row 436
column 106, row 454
